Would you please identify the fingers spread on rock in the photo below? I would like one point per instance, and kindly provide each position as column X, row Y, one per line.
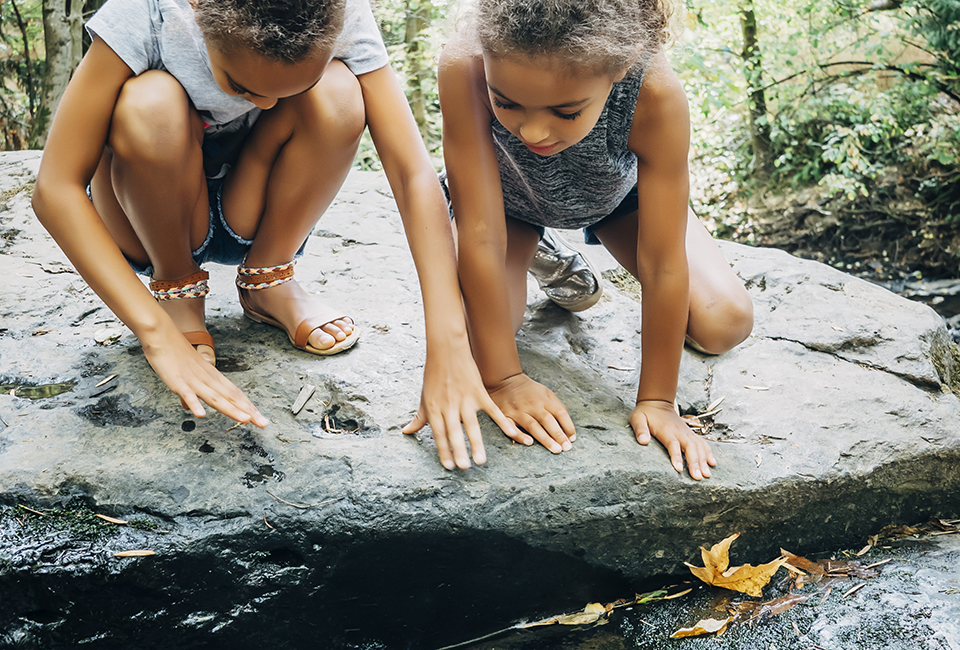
column 190, row 402
column 641, row 430
column 472, row 426
column 457, row 443
column 539, row 433
column 443, row 446
column 506, row 425
column 556, row 432
column 415, row 424
column 565, row 422
column 676, row 454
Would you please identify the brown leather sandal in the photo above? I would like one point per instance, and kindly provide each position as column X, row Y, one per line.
column 257, row 278
column 192, row 286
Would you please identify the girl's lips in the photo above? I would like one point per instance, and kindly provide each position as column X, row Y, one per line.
column 542, row 150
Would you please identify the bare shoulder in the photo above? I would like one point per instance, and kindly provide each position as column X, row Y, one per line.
column 460, row 74
column 661, row 121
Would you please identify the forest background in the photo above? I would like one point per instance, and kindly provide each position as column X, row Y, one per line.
column 829, row 129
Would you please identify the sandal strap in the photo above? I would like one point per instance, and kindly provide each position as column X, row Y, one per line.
column 255, row 278
column 192, row 286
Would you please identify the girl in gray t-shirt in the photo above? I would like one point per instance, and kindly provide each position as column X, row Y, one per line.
column 220, row 130
column 566, row 114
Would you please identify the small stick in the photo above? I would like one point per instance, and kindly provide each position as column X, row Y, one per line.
column 305, row 394
column 715, row 403
column 4, row 422
column 870, row 566
column 300, row 505
column 108, row 379
column 854, row 590
column 112, row 520
column 36, row 512
column 267, row 522
column 233, row 427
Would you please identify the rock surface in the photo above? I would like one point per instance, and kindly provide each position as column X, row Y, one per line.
column 837, row 420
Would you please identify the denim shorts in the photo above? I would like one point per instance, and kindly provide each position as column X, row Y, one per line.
column 221, row 245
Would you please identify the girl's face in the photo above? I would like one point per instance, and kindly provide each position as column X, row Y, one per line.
column 260, row 80
column 546, row 107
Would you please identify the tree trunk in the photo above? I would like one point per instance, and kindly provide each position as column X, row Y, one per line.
column 63, row 41
column 418, row 18
column 753, row 69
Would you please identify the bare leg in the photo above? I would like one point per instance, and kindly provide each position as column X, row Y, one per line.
column 721, row 313
column 521, row 247
column 288, row 173
column 149, row 188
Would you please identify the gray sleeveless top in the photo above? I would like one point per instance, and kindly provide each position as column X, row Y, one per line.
column 580, row 185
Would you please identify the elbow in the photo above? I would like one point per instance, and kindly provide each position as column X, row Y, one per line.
column 41, row 198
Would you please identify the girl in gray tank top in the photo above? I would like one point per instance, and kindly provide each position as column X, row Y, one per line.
column 560, row 113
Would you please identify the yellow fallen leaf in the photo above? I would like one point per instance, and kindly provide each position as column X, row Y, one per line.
column 706, row 626
column 590, row 614
column 136, row 553
column 746, row 579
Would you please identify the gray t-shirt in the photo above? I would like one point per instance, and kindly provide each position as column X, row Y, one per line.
column 164, row 35
column 580, row 185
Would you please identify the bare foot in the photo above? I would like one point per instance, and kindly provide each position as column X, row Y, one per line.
column 290, row 304
column 188, row 315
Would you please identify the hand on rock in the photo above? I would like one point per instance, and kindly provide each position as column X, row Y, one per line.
column 452, row 394
column 534, row 407
column 657, row 418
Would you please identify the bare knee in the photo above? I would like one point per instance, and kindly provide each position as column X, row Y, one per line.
column 335, row 105
column 153, row 121
column 723, row 324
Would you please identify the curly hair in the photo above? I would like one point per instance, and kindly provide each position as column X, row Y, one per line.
column 606, row 36
column 281, row 30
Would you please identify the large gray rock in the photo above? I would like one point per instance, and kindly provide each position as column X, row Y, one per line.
column 837, row 420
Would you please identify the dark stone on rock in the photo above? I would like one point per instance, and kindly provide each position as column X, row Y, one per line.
column 838, row 418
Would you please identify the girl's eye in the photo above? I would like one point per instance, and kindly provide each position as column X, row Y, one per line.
column 568, row 116
column 499, row 104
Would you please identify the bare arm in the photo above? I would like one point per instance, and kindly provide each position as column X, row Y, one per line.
column 73, row 150
column 453, row 391
column 474, row 180
column 660, row 136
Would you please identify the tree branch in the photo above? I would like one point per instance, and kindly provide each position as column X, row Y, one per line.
column 26, row 56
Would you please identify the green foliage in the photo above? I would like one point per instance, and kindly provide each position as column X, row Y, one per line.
column 74, row 520
column 938, row 23
column 863, row 105
column 414, row 31
column 21, row 72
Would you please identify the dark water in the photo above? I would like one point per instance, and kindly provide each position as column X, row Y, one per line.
column 815, row 616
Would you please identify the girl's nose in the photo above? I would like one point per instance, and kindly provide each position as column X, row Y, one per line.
column 534, row 131
column 264, row 103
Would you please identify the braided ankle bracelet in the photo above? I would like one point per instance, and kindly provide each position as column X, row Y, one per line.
column 192, row 286
column 255, row 278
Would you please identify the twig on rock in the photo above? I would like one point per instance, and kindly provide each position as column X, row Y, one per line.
column 301, row 505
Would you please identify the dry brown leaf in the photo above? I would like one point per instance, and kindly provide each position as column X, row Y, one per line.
column 803, row 563
column 135, row 553
column 746, row 579
column 590, row 614
column 706, row 626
